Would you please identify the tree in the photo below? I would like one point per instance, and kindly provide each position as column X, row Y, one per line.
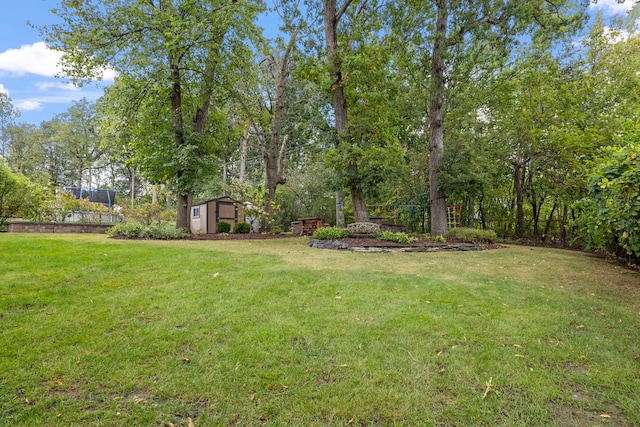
column 457, row 42
column 77, row 131
column 610, row 212
column 18, row 196
column 7, row 116
column 171, row 57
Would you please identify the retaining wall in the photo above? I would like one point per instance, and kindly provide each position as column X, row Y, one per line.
column 54, row 227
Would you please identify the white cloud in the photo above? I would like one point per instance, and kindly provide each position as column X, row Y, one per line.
column 34, row 58
column 37, row 59
column 57, row 85
column 28, row 105
column 612, row 7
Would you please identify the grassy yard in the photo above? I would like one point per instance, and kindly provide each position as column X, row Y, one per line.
column 99, row 332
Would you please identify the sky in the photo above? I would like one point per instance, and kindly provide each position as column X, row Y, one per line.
column 28, row 68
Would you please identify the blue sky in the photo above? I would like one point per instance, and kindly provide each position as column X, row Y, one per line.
column 28, row 68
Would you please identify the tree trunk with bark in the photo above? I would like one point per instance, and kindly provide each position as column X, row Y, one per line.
column 339, row 103
column 438, row 209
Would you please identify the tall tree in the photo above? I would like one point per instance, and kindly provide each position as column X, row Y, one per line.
column 8, row 114
column 458, row 41
column 171, row 52
column 77, row 130
column 332, row 16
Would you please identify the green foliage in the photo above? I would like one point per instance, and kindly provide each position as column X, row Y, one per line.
column 440, row 239
column 135, row 230
column 276, row 229
column 242, row 228
column 18, row 196
column 147, row 213
column 330, row 233
column 398, row 237
column 611, row 211
column 472, row 235
column 223, row 227
column 129, row 230
column 166, row 232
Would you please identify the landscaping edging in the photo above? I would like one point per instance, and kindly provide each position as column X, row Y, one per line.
column 55, row 227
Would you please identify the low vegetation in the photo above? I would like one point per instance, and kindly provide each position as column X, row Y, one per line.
column 397, row 237
column 223, row 227
column 473, row 235
column 330, row 233
column 135, row 230
column 106, row 332
column 242, row 228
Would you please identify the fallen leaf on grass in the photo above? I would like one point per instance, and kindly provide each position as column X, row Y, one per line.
column 57, row 383
column 170, row 425
column 29, row 401
column 138, row 401
column 520, row 355
column 185, row 360
column 191, row 424
column 6, row 381
column 605, row 416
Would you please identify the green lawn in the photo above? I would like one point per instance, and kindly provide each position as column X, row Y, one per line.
column 99, row 332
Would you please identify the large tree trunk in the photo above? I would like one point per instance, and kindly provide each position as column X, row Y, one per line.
column 182, row 206
column 339, row 103
column 517, row 189
column 438, row 209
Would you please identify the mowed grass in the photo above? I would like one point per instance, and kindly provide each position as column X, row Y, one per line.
column 99, row 332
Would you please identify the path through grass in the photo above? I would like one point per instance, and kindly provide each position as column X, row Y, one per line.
column 99, row 332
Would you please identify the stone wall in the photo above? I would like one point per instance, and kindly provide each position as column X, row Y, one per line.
column 53, row 227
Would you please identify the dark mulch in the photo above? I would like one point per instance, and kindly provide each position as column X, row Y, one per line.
column 422, row 241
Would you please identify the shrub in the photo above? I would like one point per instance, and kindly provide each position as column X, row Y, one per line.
column 276, row 229
column 609, row 214
column 223, row 227
column 167, row 232
column 330, row 233
column 242, row 228
column 472, row 235
column 135, row 230
column 130, row 230
column 440, row 239
column 390, row 236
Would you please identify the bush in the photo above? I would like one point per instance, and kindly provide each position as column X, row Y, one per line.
column 276, row 229
column 242, row 228
column 130, row 230
column 390, row 236
column 473, row 235
column 609, row 214
column 330, row 233
column 223, row 227
column 167, row 232
column 135, row 230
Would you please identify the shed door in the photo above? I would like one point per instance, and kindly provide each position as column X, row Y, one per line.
column 227, row 212
column 211, row 217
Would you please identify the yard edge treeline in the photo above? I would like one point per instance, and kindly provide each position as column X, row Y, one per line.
column 506, row 108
